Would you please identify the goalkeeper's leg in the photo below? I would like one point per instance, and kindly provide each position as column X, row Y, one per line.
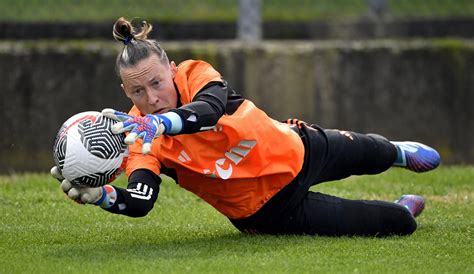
column 320, row 214
column 350, row 153
column 328, row 215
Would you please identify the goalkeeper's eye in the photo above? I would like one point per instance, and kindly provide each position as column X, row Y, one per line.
column 138, row 92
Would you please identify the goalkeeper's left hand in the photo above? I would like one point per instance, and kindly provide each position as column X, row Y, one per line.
column 148, row 127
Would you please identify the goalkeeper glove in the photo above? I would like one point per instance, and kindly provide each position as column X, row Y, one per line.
column 148, row 127
column 104, row 196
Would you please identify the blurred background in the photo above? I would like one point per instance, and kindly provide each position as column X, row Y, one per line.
column 400, row 68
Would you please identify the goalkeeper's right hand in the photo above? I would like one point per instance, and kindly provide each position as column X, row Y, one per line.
column 103, row 196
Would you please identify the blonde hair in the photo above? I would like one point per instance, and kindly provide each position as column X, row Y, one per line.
column 137, row 46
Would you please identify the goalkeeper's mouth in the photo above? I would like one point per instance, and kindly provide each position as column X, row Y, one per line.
column 160, row 111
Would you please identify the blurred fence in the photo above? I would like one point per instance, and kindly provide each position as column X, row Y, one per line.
column 225, row 10
column 214, row 19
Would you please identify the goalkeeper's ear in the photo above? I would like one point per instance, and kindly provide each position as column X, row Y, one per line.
column 174, row 69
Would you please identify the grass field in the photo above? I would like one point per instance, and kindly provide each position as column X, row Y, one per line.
column 217, row 10
column 44, row 232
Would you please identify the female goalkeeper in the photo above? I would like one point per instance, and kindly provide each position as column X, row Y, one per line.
column 189, row 124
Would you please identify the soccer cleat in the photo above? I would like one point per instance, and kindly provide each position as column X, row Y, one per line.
column 416, row 157
column 414, row 203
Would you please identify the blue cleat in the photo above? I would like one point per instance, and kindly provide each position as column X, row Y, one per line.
column 416, row 157
column 414, row 203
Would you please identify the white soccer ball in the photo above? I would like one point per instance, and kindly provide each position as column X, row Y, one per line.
column 86, row 151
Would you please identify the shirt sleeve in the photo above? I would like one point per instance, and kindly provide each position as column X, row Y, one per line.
column 139, row 196
column 207, row 107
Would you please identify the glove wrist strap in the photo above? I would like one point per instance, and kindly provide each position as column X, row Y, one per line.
column 108, row 198
column 172, row 121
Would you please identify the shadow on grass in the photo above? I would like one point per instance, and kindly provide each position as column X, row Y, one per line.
column 205, row 247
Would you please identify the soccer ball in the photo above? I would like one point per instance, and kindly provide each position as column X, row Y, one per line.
column 86, row 151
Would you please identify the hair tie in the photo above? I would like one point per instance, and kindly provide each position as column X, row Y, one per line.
column 128, row 39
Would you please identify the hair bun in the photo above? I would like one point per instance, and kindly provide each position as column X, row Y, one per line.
column 123, row 31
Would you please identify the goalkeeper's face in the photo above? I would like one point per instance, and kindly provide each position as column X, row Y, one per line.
column 149, row 84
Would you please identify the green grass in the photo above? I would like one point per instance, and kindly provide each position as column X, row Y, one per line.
column 41, row 231
column 216, row 10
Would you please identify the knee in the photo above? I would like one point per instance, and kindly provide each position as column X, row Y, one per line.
column 380, row 152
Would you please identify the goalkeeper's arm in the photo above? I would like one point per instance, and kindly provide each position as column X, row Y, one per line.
column 207, row 107
column 139, row 197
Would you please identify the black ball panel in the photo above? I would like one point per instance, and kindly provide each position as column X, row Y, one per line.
column 99, row 140
column 59, row 148
column 96, row 179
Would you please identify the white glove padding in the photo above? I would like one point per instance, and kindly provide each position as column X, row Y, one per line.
column 82, row 195
column 56, row 174
column 104, row 196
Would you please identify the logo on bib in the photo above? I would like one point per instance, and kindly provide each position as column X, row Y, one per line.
column 223, row 166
